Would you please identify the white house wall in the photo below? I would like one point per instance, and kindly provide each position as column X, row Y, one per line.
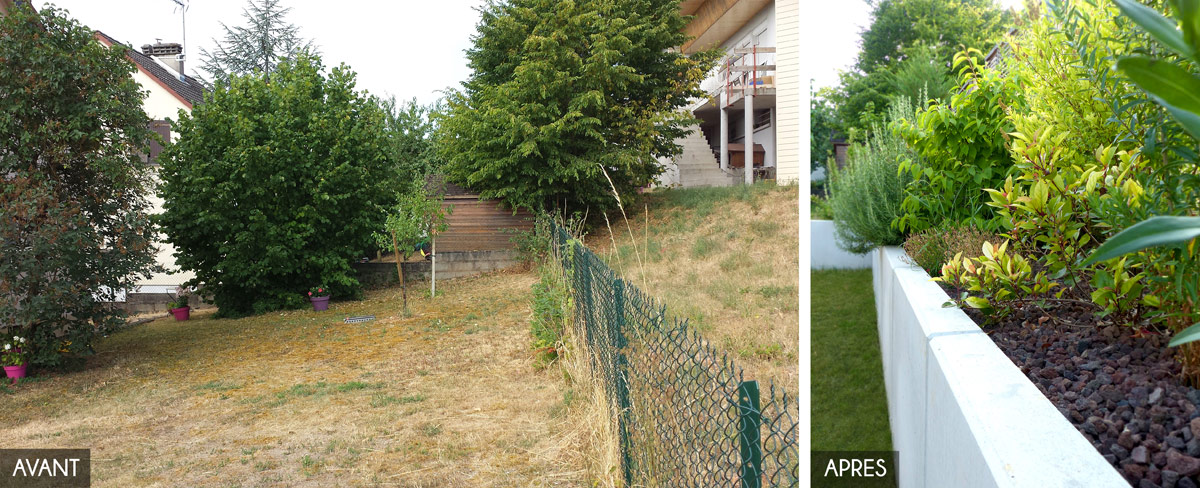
column 787, row 99
column 161, row 104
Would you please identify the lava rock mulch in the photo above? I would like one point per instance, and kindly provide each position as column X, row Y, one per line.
column 1124, row 393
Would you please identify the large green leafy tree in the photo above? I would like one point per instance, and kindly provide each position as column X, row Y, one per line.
column 564, row 92
column 901, row 29
column 947, row 25
column 275, row 187
column 823, row 127
column 410, row 127
column 74, row 228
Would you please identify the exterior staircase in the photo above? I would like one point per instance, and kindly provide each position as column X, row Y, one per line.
column 697, row 165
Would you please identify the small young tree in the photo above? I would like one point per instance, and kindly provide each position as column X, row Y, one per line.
column 276, row 186
column 74, row 230
column 415, row 218
column 260, row 45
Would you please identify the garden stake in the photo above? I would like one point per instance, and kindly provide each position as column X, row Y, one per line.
column 433, row 268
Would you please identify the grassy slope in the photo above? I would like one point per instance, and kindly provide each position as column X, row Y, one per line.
column 727, row 259
column 849, row 406
column 443, row 396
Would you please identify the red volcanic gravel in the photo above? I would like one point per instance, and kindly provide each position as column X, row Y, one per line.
column 1122, row 391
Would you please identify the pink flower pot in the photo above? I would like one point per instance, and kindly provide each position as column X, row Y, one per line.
column 320, row 304
column 15, row 372
column 182, row 314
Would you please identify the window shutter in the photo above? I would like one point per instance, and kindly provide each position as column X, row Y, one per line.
column 163, row 129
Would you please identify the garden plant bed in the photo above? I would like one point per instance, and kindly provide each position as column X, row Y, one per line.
column 1121, row 390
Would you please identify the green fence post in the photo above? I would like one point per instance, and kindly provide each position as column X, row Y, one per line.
column 583, row 295
column 749, row 437
column 621, row 368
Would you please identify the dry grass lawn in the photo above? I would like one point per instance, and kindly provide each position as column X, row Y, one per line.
column 445, row 395
column 727, row 259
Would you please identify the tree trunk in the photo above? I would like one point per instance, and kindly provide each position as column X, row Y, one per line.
column 400, row 271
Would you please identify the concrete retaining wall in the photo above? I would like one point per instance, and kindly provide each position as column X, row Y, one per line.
column 136, row 303
column 449, row 265
column 827, row 255
column 962, row 414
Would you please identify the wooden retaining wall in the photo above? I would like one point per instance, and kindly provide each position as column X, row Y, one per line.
column 477, row 225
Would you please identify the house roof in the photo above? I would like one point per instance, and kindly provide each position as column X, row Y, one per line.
column 189, row 90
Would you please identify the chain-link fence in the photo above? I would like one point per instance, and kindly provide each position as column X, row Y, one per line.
column 685, row 416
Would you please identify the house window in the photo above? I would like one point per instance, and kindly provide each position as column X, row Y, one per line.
column 163, row 129
column 762, row 119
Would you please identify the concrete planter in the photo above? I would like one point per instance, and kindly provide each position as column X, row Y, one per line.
column 962, row 414
column 827, row 255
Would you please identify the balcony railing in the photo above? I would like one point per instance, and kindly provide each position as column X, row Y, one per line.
column 747, row 72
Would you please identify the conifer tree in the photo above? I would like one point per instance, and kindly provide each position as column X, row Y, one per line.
column 265, row 40
column 564, row 92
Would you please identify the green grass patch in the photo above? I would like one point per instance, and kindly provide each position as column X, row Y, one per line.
column 704, row 247
column 764, row 228
column 762, row 351
column 734, row 262
column 217, row 386
column 382, row 400
column 849, row 403
column 771, row 291
column 356, row 385
column 702, row 201
column 430, row 429
column 412, row 398
column 318, row 390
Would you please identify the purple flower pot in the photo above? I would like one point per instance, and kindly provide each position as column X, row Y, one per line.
column 15, row 372
column 320, row 304
column 182, row 314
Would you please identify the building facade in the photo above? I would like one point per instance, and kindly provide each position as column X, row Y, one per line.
column 168, row 93
column 749, row 122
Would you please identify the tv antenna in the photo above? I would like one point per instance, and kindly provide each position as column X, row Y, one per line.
column 182, row 7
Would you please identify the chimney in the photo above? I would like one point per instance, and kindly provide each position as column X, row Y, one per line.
column 170, row 53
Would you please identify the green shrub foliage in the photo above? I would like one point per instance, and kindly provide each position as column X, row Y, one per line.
column 961, row 142
column 1164, row 245
column 74, row 229
column 277, row 185
column 1090, row 154
column 865, row 196
column 933, row 248
column 563, row 92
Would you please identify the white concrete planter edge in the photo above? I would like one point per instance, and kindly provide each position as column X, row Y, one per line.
column 962, row 414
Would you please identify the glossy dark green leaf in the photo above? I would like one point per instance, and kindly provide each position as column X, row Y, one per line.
column 1160, row 27
column 1155, row 231
column 1188, row 13
column 1189, row 120
column 1190, row 334
column 1170, row 85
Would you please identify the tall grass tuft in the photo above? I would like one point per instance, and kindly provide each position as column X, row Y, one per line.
column 932, row 248
column 865, row 195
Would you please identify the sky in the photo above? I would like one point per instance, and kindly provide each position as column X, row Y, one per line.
column 403, row 48
column 409, row 48
column 836, row 26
